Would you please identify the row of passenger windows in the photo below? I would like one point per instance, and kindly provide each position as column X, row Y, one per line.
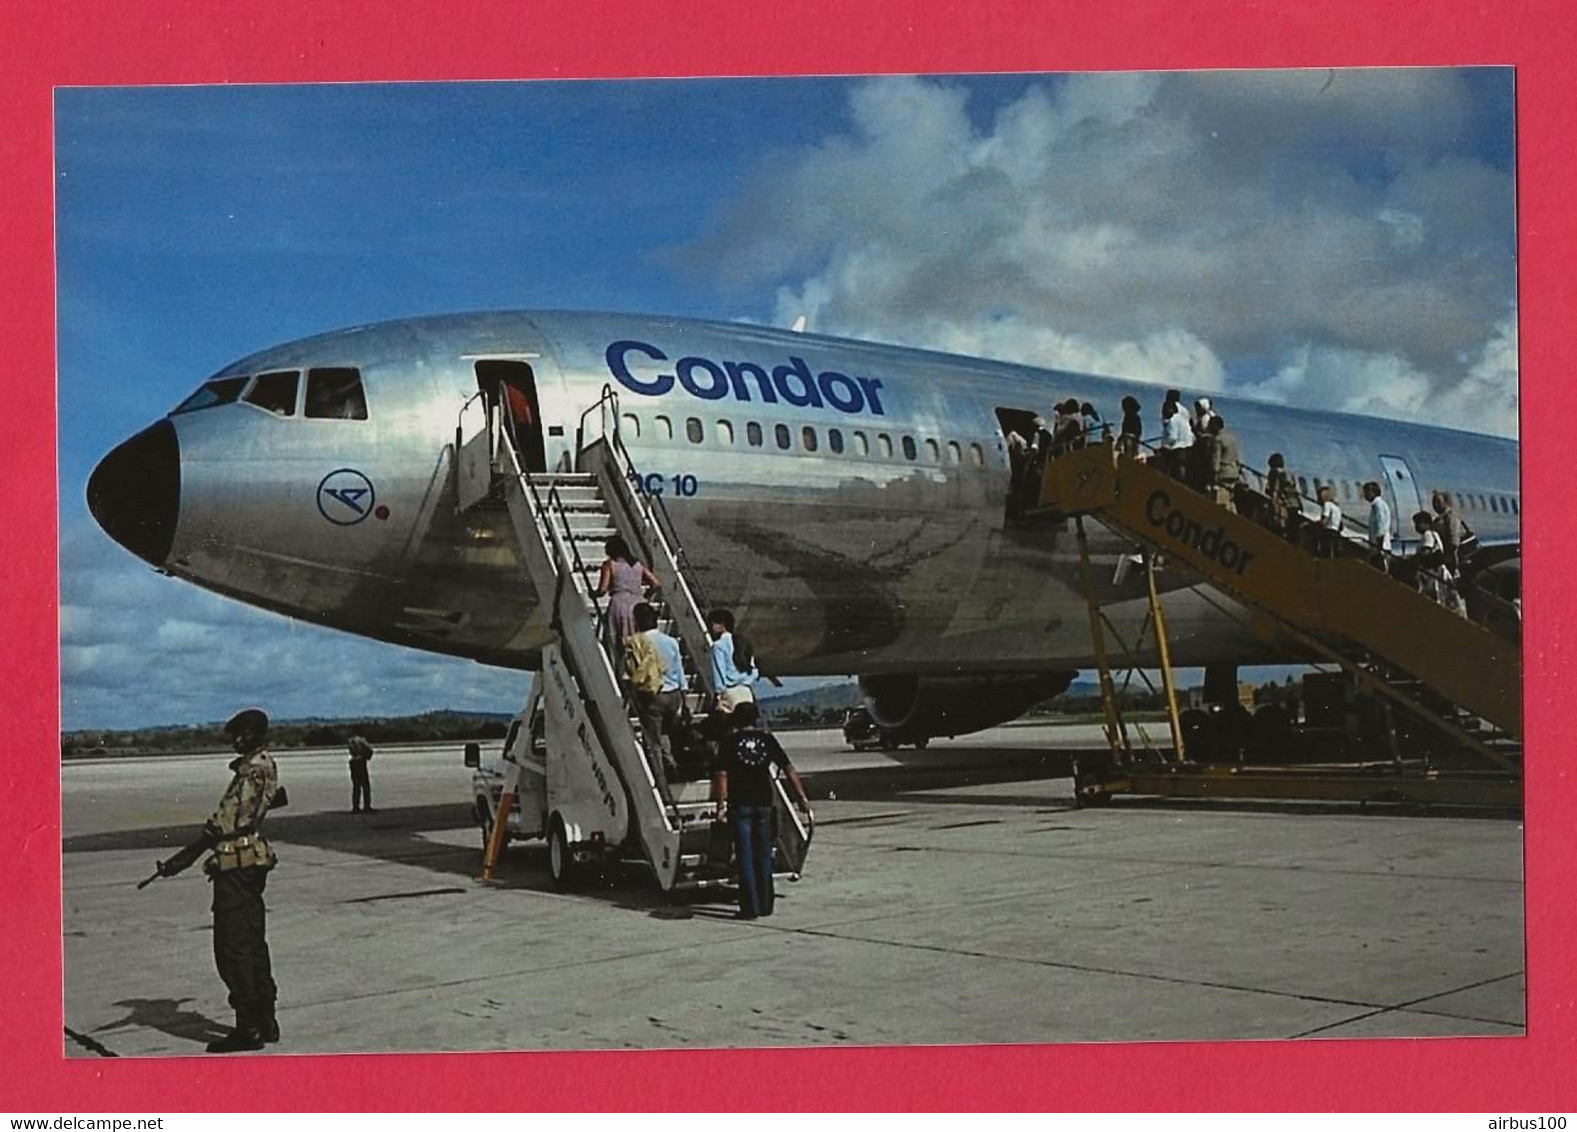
column 808, row 438
column 1352, row 491
column 332, row 393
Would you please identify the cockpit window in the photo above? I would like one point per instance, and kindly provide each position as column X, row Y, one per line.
column 220, row 391
column 275, row 392
column 335, row 393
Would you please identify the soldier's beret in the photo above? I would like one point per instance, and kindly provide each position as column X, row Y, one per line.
column 249, row 721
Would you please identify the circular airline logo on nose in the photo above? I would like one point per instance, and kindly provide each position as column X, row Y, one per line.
column 345, row 497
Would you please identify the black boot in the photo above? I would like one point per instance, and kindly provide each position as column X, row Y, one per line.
column 244, row 1037
column 268, row 1025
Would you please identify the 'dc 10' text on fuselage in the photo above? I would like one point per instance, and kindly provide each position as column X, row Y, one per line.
column 791, row 382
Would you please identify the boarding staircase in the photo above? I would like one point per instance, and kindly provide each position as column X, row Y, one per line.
column 1398, row 644
column 561, row 521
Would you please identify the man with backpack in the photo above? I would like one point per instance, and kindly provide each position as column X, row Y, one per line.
column 360, row 780
column 654, row 667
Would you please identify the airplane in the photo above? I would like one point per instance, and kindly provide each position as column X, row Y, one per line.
column 846, row 499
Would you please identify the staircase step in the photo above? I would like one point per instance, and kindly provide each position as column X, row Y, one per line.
column 564, row 479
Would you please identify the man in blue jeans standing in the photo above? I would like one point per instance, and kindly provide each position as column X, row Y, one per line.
column 744, row 798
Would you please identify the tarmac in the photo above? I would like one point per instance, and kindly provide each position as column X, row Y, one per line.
column 952, row 896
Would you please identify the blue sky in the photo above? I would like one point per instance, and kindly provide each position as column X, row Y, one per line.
column 1339, row 238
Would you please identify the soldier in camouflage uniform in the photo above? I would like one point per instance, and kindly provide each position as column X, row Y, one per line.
column 239, row 869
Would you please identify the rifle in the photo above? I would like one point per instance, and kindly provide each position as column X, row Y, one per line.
column 185, row 858
column 205, row 841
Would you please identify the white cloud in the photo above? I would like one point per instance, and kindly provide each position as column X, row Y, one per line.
column 1349, row 381
column 1178, row 228
column 1487, row 400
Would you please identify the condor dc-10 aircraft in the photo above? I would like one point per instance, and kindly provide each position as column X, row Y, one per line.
column 846, row 499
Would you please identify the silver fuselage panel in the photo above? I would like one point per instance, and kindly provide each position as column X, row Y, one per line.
column 884, row 549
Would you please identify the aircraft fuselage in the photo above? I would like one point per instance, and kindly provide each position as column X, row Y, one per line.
column 845, row 499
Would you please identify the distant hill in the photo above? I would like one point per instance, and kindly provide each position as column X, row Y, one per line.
column 429, row 727
column 814, row 707
column 822, row 706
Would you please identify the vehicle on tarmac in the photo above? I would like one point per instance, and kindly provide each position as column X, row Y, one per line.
column 862, row 733
column 571, row 794
column 487, row 784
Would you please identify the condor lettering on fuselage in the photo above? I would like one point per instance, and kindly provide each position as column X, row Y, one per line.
column 1213, row 543
column 791, row 382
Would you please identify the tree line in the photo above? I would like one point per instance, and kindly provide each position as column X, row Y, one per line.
column 431, row 727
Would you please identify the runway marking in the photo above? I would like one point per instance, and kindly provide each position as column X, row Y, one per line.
column 1071, row 854
column 405, row 895
column 861, row 819
column 1174, row 980
column 92, row 1045
column 1411, row 1004
column 968, row 824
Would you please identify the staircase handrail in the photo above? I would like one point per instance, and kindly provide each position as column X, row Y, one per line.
column 653, row 505
column 564, row 548
column 1352, row 529
column 567, row 556
column 1318, row 596
column 648, row 518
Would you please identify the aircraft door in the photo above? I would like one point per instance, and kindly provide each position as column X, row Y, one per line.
column 511, row 388
column 1403, row 490
column 1027, row 440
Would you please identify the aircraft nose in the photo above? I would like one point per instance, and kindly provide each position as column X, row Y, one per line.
column 135, row 492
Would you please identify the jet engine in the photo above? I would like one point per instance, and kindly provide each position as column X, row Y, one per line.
column 920, row 706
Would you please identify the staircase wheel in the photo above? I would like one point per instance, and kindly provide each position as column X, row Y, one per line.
column 566, row 874
column 1088, row 776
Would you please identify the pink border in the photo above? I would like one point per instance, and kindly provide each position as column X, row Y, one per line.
column 78, row 42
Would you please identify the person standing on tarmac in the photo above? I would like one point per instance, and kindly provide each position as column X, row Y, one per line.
column 238, row 868
column 742, row 785
column 360, row 780
column 1379, row 527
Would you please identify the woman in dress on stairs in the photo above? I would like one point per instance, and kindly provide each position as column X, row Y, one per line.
column 625, row 581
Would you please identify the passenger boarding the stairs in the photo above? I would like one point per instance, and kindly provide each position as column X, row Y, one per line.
column 1132, row 434
column 733, row 663
column 1286, row 504
column 1379, row 527
column 625, row 581
column 1435, row 579
column 1226, row 461
column 1177, row 437
column 1456, row 539
column 1090, row 426
column 743, row 789
column 654, row 667
column 1330, row 530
